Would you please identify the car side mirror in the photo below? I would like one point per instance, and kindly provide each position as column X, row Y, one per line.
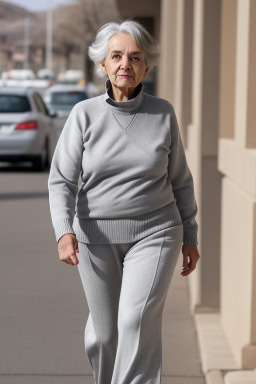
column 53, row 114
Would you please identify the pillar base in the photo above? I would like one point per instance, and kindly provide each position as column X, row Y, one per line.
column 249, row 356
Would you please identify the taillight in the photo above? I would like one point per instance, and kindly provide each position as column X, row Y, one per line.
column 27, row 125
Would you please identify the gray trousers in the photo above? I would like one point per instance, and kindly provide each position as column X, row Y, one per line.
column 126, row 287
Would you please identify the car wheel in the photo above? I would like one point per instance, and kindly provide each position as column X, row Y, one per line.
column 48, row 154
column 41, row 162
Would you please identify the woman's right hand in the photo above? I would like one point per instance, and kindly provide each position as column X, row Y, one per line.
column 68, row 247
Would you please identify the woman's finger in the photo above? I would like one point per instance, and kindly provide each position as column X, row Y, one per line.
column 69, row 258
column 67, row 253
column 68, row 247
column 193, row 257
column 192, row 254
column 185, row 262
column 68, row 261
column 193, row 262
column 74, row 259
column 191, row 266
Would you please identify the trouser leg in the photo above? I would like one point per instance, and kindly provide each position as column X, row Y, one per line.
column 147, row 272
column 101, row 268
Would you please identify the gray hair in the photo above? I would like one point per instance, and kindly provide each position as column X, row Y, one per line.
column 99, row 48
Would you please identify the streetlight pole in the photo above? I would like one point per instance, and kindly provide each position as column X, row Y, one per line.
column 49, row 39
column 26, row 44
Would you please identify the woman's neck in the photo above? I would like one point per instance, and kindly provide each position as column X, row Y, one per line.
column 122, row 94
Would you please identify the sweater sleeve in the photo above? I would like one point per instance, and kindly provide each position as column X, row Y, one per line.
column 64, row 174
column 182, row 184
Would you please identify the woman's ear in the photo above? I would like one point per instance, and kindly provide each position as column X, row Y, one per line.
column 103, row 68
column 146, row 71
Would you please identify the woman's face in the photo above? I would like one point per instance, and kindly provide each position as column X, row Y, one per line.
column 125, row 64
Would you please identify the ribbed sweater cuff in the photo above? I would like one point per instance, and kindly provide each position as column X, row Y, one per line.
column 190, row 235
column 63, row 227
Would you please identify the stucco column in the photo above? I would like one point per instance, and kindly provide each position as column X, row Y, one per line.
column 175, row 69
column 202, row 149
column 228, row 68
column 194, row 133
column 189, row 78
column 242, row 72
column 166, row 68
column 238, row 218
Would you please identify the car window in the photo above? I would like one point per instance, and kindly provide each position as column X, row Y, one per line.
column 14, row 104
column 40, row 106
column 67, row 98
column 37, row 103
column 43, row 106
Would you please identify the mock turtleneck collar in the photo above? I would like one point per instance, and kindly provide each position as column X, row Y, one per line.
column 124, row 106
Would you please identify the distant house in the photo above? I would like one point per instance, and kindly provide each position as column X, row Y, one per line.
column 12, row 19
column 23, row 35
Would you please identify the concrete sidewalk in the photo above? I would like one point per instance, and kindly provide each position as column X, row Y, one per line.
column 218, row 362
column 181, row 363
column 43, row 308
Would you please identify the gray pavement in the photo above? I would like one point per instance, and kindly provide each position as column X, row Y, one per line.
column 43, row 308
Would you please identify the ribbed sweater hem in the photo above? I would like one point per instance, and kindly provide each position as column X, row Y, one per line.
column 125, row 230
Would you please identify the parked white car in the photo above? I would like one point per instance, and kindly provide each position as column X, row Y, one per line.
column 72, row 76
column 61, row 98
column 23, row 78
column 20, row 74
column 27, row 131
column 45, row 74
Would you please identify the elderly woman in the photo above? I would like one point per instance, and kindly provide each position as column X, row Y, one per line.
column 125, row 226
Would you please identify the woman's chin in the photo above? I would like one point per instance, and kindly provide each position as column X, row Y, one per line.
column 126, row 82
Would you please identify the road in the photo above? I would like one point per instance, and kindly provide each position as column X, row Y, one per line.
column 43, row 308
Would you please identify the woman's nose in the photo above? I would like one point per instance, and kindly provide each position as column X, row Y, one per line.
column 125, row 63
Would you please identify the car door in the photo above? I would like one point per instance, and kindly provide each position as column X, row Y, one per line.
column 47, row 124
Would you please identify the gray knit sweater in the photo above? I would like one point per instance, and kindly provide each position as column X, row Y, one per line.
column 134, row 176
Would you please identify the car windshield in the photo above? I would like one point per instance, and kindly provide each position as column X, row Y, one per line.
column 14, row 104
column 67, row 98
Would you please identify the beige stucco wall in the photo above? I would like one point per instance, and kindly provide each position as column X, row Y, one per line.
column 238, row 220
column 236, row 265
column 251, row 110
column 215, row 106
column 135, row 9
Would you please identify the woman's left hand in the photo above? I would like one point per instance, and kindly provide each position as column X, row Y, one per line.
column 190, row 259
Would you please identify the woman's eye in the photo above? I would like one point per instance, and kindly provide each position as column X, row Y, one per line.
column 116, row 56
column 136, row 58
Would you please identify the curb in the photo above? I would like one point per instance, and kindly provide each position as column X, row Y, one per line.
column 218, row 363
column 216, row 356
column 214, row 377
column 241, row 377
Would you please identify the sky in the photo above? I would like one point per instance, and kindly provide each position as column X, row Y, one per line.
column 38, row 5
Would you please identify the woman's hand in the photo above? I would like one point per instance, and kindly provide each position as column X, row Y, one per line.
column 67, row 248
column 190, row 258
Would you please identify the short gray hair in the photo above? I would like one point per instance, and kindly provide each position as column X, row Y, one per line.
column 147, row 44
